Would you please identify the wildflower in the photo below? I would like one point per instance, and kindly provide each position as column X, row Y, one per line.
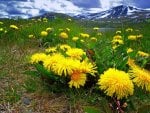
column 129, row 50
column 65, row 66
column 37, row 57
column 99, row 34
column 39, row 19
column 51, row 50
column 82, row 41
column 88, row 67
column 1, row 29
column 45, row 19
column 77, row 79
column 31, row 36
column 132, row 37
column 69, row 19
column 75, row 53
column 115, row 47
column 129, row 30
column 50, row 61
column 67, row 29
column 63, row 35
column 75, row 38
column 117, row 41
column 139, row 36
column 14, row 27
column 96, row 28
column 140, row 77
column 116, row 83
column 1, row 23
column 44, row 33
column 131, row 62
column 33, row 19
column 64, row 47
column 143, row 54
column 93, row 39
column 49, row 29
column 84, row 35
column 117, row 37
column 5, row 31
column 118, row 32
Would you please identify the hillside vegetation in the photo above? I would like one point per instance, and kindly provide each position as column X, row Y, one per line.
column 63, row 65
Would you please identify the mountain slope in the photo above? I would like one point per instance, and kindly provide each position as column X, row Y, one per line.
column 117, row 12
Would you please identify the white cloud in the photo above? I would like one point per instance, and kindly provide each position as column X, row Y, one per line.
column 34, row 7
column 106, row 4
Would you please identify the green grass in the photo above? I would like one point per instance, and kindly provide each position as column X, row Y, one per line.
column 16, row 78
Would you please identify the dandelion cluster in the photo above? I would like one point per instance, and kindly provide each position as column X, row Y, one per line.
column 70, row 64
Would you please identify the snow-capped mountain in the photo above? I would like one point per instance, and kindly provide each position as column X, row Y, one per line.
column 121, row 11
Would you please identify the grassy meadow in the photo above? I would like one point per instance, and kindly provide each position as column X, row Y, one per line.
column 64, row 65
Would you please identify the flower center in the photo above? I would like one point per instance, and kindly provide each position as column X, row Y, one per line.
column 75, row 75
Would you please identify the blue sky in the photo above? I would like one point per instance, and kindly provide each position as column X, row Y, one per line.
column 108, row 3
column 29, row 8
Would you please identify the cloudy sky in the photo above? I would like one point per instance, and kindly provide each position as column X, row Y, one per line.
column 29, row 8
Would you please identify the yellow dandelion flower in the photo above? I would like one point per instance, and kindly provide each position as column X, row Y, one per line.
column 39, row 20
column 129, row 50
column 67, row 29
column 118, row 32
column 64, row 47
column 115, row 47
column 44, row 33
column 69, row 19
column 1, row 29
column 49, row 29
column 93, row 39
column 14, row 27
column 77, row 79
column 75, row 53
column 87, row 67
column 37, row 57
column 140, row 77
column 52, row 60
column 131, row 62
column 117, row 41
column 117, row 37
column 82, row 41
column 51, row 50
column 132, row 37
column 45, row 20
column 139, row 36
column 31, row 36
column 96, row 28
column 63, row 35
column 65, row 66
column 129, row 30
column 84, row 35
column 99, row 34
column 116, row 83
column 143, row 54
column 75, row 38
column 1, row 23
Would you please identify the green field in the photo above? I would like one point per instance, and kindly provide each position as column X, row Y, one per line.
column 35, row 78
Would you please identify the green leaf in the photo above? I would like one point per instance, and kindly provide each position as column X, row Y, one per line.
column 32, row 73
column 91, row 109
